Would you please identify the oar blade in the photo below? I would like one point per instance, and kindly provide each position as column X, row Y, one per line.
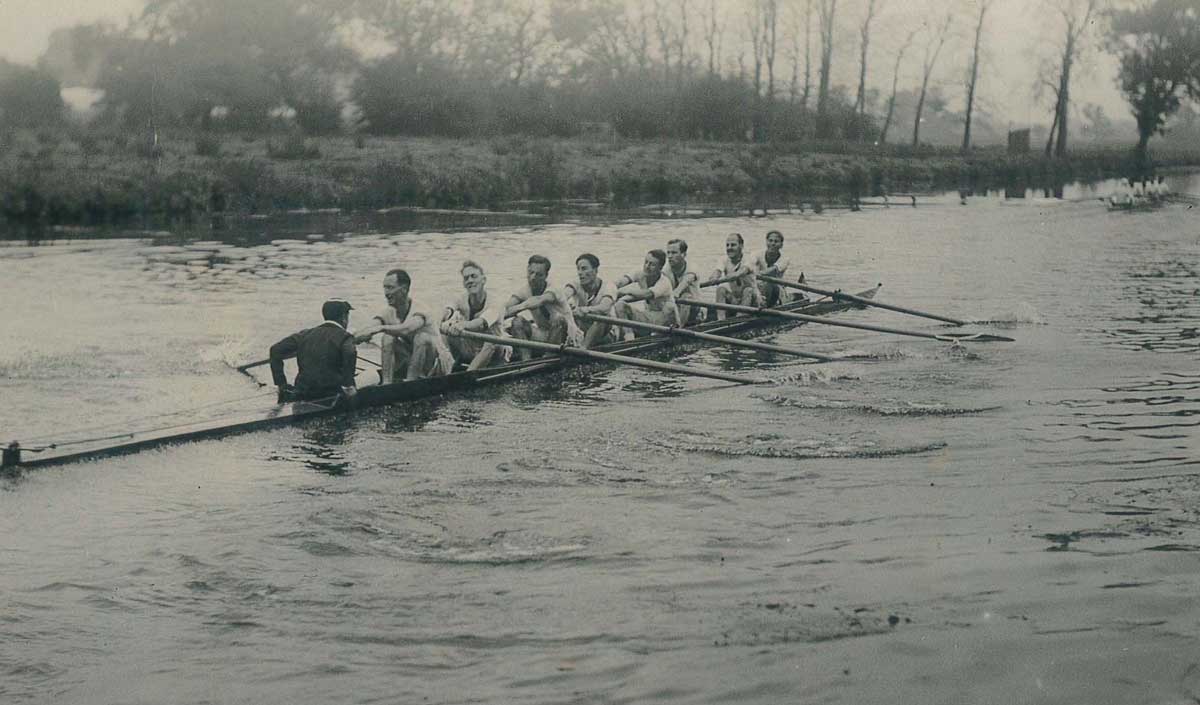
column 976, row 338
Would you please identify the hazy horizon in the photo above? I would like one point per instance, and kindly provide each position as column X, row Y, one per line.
column 1015, row 28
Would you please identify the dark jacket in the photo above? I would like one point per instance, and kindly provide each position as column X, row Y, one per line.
column 326, row 356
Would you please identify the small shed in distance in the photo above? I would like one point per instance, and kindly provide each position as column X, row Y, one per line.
column 1018, row 141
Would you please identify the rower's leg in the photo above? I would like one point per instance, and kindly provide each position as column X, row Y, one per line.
column 622, row 309
column 483, row 358
column 523, row 330
column 424, row 354
column 724, row 294
column 768, row 294
column 595, row 334
column 557, row 333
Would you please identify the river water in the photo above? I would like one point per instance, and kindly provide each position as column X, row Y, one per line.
column 1001, row 522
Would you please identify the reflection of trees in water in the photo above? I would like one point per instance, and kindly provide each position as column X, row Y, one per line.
column 410, row 416
column 323, row 449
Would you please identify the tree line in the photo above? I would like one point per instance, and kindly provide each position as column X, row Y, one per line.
column 692, row 69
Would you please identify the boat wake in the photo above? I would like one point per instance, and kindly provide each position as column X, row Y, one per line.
column 1022, row 314
column 771, row 445
column 813, row 375
column 889, row 407
column 496, row 550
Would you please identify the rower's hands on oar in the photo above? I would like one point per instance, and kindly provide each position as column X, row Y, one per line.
column 367, row 333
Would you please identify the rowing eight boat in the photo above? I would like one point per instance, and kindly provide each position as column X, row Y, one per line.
column 270, row 414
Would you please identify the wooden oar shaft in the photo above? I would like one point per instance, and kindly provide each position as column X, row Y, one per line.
column 807, row 319
column 723, row 339
column 722, row 280
column 608, row 357
column 838, row 295
column 251, row 365
column 260, row 363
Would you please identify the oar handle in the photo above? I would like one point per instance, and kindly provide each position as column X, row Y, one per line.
column 838, row 295
column 267, row 361
column 722, row 280
column 608, row 357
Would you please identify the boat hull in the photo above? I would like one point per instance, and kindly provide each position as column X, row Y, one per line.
column 270, row 415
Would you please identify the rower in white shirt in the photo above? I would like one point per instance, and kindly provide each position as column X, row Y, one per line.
column 473, row 311
column 687, row 282
column 550, row 318
column 588, row 293
column 651, row 287
column 772, row 262
column 742, row 290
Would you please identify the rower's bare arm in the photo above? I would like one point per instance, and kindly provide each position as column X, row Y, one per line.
column 365, row 334
column 602, row 307
column 413, row 324
column 635, row 292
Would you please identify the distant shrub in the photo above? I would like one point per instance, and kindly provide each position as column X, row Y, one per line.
column 89, row 144
column 249, row 183
column 208, row 145
column 392, row 183
column 294, row 146
column 543, row 172
column 148, row 148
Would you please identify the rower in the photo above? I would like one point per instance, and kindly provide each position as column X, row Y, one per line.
column 772, row 262
column 589, row 294
column 687, row 284
column 651, row 287
column 474, row 312
column 412, row 344
column 742, row 290
column 550, row 319
column 325, row 355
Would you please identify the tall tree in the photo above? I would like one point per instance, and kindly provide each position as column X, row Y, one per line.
column 770, row 17
column 827, row 10
column 864, row 41
column 933, row 47
column 1077, row 19
column 29, row 97
column 973, row 73
column 712, row 38
column 1158, row 42
column 891, row 109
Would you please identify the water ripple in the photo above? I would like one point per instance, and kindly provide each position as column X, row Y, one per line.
column 892, row 407
column 769, row 445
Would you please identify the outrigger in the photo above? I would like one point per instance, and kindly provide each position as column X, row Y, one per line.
column 266, row 415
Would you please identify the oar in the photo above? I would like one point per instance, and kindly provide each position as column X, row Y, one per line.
column 722, row 280
column 944, row 337
column 609, row 357
column 260, row 363
column 838, row 295
column 723, row 339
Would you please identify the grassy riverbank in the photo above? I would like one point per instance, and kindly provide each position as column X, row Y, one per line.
column 102, row 178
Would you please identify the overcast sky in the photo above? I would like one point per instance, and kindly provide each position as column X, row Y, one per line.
column 1014, row 32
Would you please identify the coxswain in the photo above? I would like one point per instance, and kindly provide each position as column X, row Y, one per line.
column 651, row 287
column 550, row 319
column 473, row 311
column 325, row 355
column 588, row 293
column 413, row 346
